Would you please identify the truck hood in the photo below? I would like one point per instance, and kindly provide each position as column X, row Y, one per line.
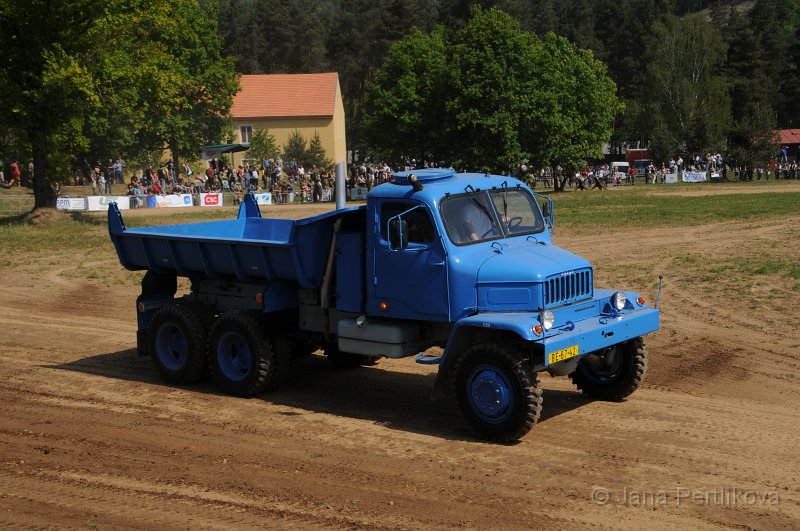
column 527, row 261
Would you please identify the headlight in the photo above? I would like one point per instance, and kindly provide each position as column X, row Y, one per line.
column 618, row 300
column 548, row 319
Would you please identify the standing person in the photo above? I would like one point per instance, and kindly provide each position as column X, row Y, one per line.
column 188, row 171
column 15, row 175
column 162, row 176
column 118, row 172
column 94, row 175
column 101, row 183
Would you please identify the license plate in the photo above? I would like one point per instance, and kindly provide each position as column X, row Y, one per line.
column 563, row 354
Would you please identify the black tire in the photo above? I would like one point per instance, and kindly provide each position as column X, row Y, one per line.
column 488, row 371
column 614, row 373
column 176, row 341
column 242, row 361
column 346, row 360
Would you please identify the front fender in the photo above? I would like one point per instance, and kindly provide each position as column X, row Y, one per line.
column 477, row 328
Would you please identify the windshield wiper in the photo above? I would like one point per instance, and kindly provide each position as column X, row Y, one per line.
column 469, row 191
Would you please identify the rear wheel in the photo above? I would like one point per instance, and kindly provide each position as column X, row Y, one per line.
column 176, row 341
column 614, row 373
column 243, row 361
column 496, row 393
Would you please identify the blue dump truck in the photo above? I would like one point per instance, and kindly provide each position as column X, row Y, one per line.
column 460, row 261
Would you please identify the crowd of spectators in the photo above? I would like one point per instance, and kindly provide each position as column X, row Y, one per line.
column 287, row 182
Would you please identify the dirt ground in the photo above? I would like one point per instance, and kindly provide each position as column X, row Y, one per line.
column 90, row 437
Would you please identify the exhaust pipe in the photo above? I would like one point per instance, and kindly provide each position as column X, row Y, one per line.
column 340, row 187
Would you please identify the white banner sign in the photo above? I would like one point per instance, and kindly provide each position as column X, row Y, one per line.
column 71, row 203
column 327, row 195
column 176, row 200
column 694, row 176
column 671, row 178
column 358, row 193
column 210, row 200
column 99, row 203
column 263, row 198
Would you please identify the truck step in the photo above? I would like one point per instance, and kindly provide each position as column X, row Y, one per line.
column 428, row 359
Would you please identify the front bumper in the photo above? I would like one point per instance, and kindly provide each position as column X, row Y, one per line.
column 589, row 334
column 600, row 331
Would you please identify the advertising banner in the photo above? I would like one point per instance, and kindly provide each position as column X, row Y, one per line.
column 694, row 176
column 211, row 200
column 176, row 200
column 671, row 178
column 358, row 193
column 263, row 198
column 327, row 195
column 99, row 203
column 71, row 203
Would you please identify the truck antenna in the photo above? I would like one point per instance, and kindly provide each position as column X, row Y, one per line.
column 660, row 286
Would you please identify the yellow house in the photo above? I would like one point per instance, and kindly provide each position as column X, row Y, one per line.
column 282, row 103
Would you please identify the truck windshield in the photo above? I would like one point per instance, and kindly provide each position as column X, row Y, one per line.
column 489, row 215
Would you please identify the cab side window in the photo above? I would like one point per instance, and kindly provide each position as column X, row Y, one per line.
column 420, row 227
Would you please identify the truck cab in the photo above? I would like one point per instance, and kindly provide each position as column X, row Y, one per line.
column 458, row 270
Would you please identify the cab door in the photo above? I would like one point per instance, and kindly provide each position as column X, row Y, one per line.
column 409, row 280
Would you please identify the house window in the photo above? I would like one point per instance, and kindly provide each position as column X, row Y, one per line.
column 245, row 132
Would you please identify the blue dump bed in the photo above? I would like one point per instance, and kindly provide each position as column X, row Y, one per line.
column 249, row 248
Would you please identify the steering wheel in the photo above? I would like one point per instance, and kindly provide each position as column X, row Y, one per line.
column 488, row 232
column 516, row 221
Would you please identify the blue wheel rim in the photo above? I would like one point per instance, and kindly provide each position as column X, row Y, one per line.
column 172, row 346
column 234, row 356
column 490, row 394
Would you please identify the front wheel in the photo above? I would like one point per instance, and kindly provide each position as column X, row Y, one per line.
column 614, row 373
column 496, row 393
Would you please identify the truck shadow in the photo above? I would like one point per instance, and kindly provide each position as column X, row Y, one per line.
column 393, row 399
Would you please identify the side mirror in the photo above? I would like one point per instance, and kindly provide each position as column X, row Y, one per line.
column 398, row 234
column 546, row 209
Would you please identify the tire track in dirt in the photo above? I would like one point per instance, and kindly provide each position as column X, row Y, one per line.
column 89, row 434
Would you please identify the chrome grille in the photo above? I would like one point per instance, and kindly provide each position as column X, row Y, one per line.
column 567, row 287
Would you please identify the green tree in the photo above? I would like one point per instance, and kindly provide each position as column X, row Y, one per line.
column 295, row 147
column 687, row 88
column 263, row 146
column 47, row 86
column 582, row 107
column 404, row 106
column 505, row 97
column 495, row 101
column 753, row 89
column 85, row 77
column 315, row 155
column 194, row 84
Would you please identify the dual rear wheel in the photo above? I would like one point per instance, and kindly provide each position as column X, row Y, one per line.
column 185, row 341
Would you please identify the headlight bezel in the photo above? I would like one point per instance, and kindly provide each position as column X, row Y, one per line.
column 619, row 300
column 548, row 319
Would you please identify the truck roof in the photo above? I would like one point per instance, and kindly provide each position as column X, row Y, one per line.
column 438, row 182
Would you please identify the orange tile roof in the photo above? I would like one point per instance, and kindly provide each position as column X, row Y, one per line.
column 285, row 95
column 790, row 136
